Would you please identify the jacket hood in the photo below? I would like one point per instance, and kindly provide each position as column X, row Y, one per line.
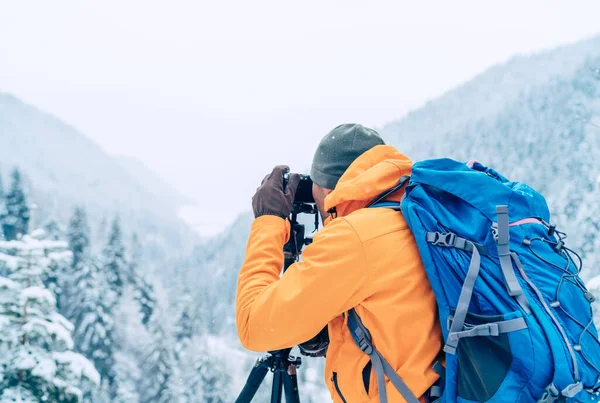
column 374, row 172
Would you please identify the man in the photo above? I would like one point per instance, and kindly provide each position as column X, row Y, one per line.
column 363, row 258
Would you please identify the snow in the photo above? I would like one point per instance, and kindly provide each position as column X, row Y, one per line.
column 38, row 233
column 45, row 369
column 62, row 321
column 44, row 328
column 38, row 294
column 27, row 243
column 8, row 284
column 61, row 257
column 12, row 262
column 25, row 360
column 593, row 284
column 78, row 364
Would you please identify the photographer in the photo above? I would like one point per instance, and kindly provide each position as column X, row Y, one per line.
column 364, row 258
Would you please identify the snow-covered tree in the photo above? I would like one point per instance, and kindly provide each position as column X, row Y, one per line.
column 141, row 285
column 36, row 358
column 206, row 375
column 159, row 358
column 127, row 374
column 3, row 209
column 79, row 235
column 89, row 302
column 91, row 306
column 113, row 258
column 16, row 221
column 131, row 336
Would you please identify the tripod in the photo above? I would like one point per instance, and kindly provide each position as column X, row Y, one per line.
column 280, row 362
column 284, row 368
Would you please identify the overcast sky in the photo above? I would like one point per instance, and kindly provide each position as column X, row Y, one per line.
column 212, row 94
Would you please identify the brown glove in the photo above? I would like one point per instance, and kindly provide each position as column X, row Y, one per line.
column 271, row 198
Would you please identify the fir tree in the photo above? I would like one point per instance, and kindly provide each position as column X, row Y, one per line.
column 37, row 363
column 132, row 336
column 79, row 235
column 91, row 308
column 16, row 221
column 127, row 374
column 3, row 209
column 113, row 259
column 89, row 301
column 143, row 289
column 206, row 377
column 159, row 360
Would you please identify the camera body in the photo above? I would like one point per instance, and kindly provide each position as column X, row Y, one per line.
column 304, row 191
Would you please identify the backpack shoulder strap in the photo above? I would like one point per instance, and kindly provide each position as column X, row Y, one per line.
column 362, row 338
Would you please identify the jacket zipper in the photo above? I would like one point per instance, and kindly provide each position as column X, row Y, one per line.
column 337, row 387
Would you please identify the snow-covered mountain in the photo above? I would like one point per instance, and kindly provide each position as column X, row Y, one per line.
column 151, row 182
column 65, row 168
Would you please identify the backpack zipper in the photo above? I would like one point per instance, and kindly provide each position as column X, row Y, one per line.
column 337, row 387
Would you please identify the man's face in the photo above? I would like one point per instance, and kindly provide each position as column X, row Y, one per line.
column 319, row 195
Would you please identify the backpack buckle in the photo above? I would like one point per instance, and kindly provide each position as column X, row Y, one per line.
column 551, row 394
column 448, row 239
column 495, row 231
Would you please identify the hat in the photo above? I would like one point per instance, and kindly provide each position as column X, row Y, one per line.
column 338, row 150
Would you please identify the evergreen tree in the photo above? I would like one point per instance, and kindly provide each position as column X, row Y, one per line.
column 54, row 231
column 59, row 278
column 113, row 259
column 159, row 360
column 132, row 336
column 79, row 235
column 89, row 300
column 3, row 209
column 143, row 289
column 91, row 306
column 127, row 374
column 37, row 363
column 206, row 375
column 16, row 221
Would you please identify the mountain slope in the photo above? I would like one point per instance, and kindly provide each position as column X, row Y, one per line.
column 487, row 94
column 65, row 168
column 150, row 181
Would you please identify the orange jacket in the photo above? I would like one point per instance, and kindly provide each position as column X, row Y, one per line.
column 364, row 258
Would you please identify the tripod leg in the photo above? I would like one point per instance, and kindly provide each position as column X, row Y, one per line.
column 290, row 382
column 277, row 390
column 256, row 377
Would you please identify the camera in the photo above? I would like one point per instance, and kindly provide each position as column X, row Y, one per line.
column 304, row 191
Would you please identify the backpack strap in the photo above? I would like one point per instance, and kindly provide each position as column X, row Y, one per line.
column 361, row 335
column 362, row 338
column 502, row 236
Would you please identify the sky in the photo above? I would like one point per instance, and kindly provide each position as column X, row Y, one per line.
column 212, row 94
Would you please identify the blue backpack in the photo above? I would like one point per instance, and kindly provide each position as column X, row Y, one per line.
column 516, row 317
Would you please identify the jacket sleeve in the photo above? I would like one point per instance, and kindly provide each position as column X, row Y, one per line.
column 274, row 312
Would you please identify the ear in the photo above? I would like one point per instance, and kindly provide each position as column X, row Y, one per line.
column 327, row 191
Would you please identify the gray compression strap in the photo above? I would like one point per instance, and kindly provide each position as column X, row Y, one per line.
column 451, row 240
column 463, row 302
column 510, row 279
column 490, row 329
column 381, row 367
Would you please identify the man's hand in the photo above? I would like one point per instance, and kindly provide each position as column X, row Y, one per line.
column 271, row 199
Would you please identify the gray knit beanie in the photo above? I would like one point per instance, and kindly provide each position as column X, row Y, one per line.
column 338, row 150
